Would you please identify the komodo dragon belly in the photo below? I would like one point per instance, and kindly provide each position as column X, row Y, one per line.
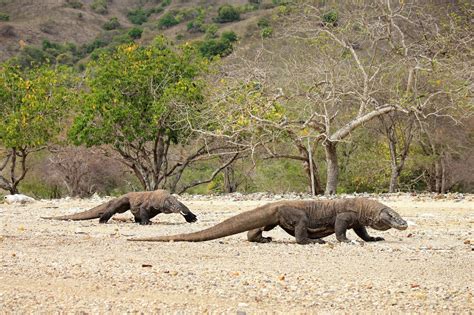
column 320, row 231
column 313, row 232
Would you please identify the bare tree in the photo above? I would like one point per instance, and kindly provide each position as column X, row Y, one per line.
column 81, row 170
column 338, row 74
column 14, row 163
column 399, row 129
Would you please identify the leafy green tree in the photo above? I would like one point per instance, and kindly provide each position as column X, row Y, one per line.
column 140, row 100
column 32, row 104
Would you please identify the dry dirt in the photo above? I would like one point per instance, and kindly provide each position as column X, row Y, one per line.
column 75, row 267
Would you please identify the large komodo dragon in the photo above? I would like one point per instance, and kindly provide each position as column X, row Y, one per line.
column 143, row 205
column 308, row 221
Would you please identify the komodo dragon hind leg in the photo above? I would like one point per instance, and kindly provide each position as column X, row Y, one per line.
column 118, row 205
column 256, row 235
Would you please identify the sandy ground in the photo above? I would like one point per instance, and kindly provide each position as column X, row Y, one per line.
column 83, row 267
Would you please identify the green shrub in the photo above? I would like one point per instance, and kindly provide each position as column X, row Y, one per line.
column 196, row 26
column 31, row 55
column 138, row 16
column 187, row 14
column 227, row 13
column 211, row 31
column 215, row 47
column 229, row 36
column 81, row 67
column 97, row 43
column 99, row 6
column 167, row 20
column 266, row 32
column 65, row 59
column 154, row 10
column 46, row 45
column 97, row 52
column 75, row 4
column 135, row 33
column 111, row 24
column 263, row 22
column 122, row 39
column 247, row 8
column 330, row 17
column 4, row 17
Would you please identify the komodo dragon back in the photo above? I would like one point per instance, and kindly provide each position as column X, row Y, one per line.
column 243, row 222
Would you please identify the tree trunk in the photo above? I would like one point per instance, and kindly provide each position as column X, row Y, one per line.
column 230, row 185
column 443, row 175
column 332, row 168
column 13, row 189
column 317, row 182
column 394, row 179
column 438, row 176
column 307, row 168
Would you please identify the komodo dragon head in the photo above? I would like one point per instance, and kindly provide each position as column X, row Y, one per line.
column 387, row 219
column 173, row 205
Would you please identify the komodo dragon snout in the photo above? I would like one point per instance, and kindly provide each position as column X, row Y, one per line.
column 393, row 219
column 173, row 205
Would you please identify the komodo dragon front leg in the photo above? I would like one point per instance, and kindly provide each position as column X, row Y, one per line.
column 348, row 220
column 361, row 231
column 142, row 215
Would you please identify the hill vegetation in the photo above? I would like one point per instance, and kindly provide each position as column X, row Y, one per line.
column 220, row 96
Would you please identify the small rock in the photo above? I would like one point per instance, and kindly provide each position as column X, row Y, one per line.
column 18, row 199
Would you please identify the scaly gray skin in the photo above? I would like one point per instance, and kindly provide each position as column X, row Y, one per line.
column 307, row 221
column 143, row 205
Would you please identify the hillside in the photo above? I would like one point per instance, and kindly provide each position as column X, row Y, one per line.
column 26, row 23
column 324, row 95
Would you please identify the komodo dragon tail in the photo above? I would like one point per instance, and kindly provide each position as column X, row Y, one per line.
column 93, row 213
column 245, row 221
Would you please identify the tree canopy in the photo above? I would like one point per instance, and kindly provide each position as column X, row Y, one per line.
column 139, row 99
column 33, row 103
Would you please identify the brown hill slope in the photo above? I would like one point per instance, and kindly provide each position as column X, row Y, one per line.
column 29, row 22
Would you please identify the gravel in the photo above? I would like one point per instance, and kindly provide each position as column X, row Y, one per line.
column 74, row 267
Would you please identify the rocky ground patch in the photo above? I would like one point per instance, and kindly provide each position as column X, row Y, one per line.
column 57, row 266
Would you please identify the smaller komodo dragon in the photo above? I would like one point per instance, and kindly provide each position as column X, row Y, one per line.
column 143, row 205
column 308, row 221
